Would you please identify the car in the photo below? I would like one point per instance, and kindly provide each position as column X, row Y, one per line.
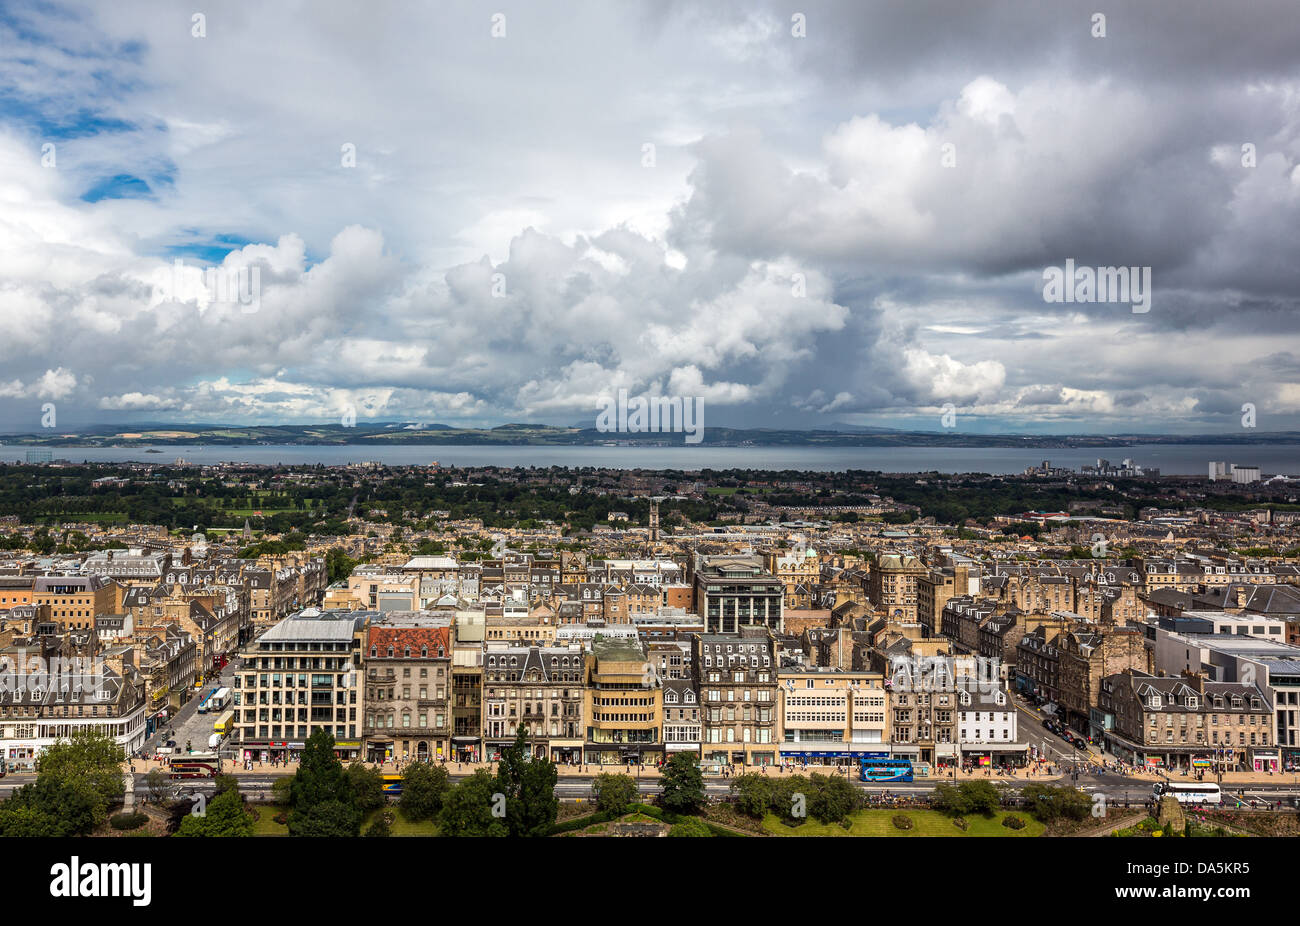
column 170, row 743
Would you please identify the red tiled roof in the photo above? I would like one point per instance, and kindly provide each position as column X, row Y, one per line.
column 399, row 638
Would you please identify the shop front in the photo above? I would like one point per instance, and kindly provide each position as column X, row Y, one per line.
column 20, row 758
column 994, row 756
column 271, row 750
column 1266, row 761
column 156, row 722
column 1291, row 760
column 566, row 752
column 826, row 754
column 465, row 748
column 624, row 754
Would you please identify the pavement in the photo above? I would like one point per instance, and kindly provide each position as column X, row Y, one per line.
column 1036, row 772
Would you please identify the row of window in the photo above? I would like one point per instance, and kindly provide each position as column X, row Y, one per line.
column 406, row 652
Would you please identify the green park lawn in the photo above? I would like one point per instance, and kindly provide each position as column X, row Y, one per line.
column 266, row 825
column 927, row 823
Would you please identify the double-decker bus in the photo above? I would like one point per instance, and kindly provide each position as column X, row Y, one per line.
column 195, row 765
column 885, row 770
column 392, row 785
column 1199, row 792
column 225, row 724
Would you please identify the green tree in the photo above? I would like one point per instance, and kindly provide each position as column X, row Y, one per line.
column 321, row 796
column 50, row 807
column 90, row 762
column 156, row 784
column 789, row 795
column 424, row 789
column 614, row 793
column 468, row 808
column 950, row 800
column 982, row 797
column 753, row 794
column 338, row 565
column 225, row 783
column 326, row 818
column 832, row 799
column 528, row 784
column 367, row 785
column 28, row 821
column 1046, row 803
column 682, row 783
column 225, row 815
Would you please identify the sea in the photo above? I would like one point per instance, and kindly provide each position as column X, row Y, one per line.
column 1170, row 459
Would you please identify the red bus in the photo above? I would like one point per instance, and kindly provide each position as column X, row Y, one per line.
column 195, row 765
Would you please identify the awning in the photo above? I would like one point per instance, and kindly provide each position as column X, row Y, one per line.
column 468, row 740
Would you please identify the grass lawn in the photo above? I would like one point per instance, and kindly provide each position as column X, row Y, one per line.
column 927, row 823
column 266, row 825
column 401, row 825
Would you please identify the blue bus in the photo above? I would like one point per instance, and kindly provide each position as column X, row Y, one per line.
column 885, row 770
column 392, row 785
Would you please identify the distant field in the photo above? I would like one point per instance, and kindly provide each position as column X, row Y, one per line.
column 97, row 517
column 927, row 823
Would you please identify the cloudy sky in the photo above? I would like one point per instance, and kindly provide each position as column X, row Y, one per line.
column 809, row 214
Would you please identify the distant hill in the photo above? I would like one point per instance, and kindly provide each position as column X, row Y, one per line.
column 396, row 432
